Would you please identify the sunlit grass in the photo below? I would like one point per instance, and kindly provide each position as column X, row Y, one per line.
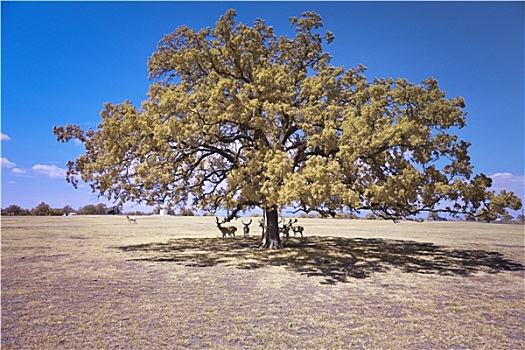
column 168, row 283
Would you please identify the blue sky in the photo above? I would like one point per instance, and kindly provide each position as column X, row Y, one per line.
column 60, row 61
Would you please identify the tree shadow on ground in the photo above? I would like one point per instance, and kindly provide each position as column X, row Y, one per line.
column 336, row 259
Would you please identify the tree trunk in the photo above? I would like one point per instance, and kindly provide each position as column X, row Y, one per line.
column 271, row 237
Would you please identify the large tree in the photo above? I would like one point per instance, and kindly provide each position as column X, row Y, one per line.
column 238, row 118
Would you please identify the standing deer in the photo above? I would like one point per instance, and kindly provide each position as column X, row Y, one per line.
column 246, row 228
column 226, row 230
column 262, row 226
column 131, row 220
column 297, row 229
column 285, row 229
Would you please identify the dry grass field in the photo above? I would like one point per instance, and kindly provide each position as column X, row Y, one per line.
column 173, row 283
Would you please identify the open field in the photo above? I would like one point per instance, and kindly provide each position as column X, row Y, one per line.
column 172, row 283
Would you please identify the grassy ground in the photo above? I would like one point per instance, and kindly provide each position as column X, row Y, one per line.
column 172, row 283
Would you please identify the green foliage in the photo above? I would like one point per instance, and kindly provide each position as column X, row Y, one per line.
column 186, row 212
column 91, row 209
column 238, row 118
column 15, row 210
column 42, row 209
column 433, row 216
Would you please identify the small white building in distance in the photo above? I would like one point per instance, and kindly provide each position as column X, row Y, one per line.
column 163, row 212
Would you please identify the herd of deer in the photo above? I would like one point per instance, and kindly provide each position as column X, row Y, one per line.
column 284, row 229
column 230, row 230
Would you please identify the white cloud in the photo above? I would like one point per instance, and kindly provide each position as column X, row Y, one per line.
column 499, row 176
column 4, row 137
column 18, row 171
column 7, row 164
column 509, row 182
column 50, row 170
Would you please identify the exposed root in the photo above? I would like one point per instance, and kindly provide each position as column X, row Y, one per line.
column 271, row 245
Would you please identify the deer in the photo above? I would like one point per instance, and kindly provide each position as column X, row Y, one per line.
column 226, row 230
column 262, row 226
column 246, row 228
column 297, row 229
column 131, row 220
column 285, row 229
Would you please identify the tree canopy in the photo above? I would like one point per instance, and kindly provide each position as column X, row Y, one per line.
column 238, row 117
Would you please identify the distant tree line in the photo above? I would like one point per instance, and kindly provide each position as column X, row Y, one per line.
column 44, row 209
column 505, row 218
